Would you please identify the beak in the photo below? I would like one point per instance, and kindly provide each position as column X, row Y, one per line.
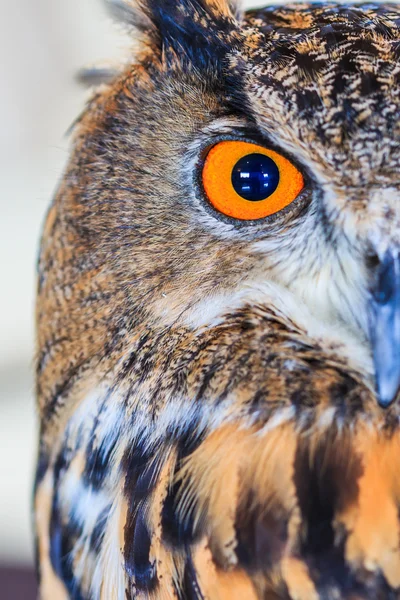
column 385, row 329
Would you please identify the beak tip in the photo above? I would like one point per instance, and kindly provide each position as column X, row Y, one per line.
column 384, row 402
column 387, row 391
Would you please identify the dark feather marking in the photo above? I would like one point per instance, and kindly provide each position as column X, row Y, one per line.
column 180, row 530
column 63, row 536
column 62, row 389
column 142, row 467
column 46, row 351
column 326, row 482
column 62, row 542
column 261, row 537
column 56, row 537
column 309, row 63
column 98, row 460
column 208, row 376
column 129, row 364
column 307, row 101
column 41, row 467
column 345, row 394
column 97, row 535
column 190, row 589
column 239, row 374
column 137, row 461
column 137, row 551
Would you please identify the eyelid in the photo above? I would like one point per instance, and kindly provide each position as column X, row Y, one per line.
column 217, row 184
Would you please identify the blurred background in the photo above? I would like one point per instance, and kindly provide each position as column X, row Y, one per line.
column 43, row 43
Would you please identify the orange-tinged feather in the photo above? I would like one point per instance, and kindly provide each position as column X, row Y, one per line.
column 373, row 524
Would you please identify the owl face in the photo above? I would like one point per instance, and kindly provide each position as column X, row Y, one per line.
column 312, row 94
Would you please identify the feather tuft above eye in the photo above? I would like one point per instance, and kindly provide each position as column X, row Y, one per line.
column 200, row 31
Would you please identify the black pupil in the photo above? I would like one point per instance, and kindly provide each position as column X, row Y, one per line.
column 255, row 177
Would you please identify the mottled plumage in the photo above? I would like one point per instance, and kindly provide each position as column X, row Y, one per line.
column 210, row 428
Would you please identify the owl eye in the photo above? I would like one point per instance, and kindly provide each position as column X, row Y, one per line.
column 246, row 181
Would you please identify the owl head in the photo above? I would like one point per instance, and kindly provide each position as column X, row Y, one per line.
column 219, row 313
column 236, row 158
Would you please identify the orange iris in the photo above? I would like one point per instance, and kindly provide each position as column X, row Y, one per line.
column 220, row 164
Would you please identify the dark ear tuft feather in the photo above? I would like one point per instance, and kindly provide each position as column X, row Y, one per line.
column 198, row 30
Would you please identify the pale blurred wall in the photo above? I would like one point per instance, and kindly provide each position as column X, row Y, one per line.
column 42, row 44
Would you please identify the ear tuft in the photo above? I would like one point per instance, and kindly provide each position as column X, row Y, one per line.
column 196, row 30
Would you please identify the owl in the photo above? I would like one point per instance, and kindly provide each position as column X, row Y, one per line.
column 218, row 315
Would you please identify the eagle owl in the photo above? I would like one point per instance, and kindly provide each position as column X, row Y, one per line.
column 218, row 354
